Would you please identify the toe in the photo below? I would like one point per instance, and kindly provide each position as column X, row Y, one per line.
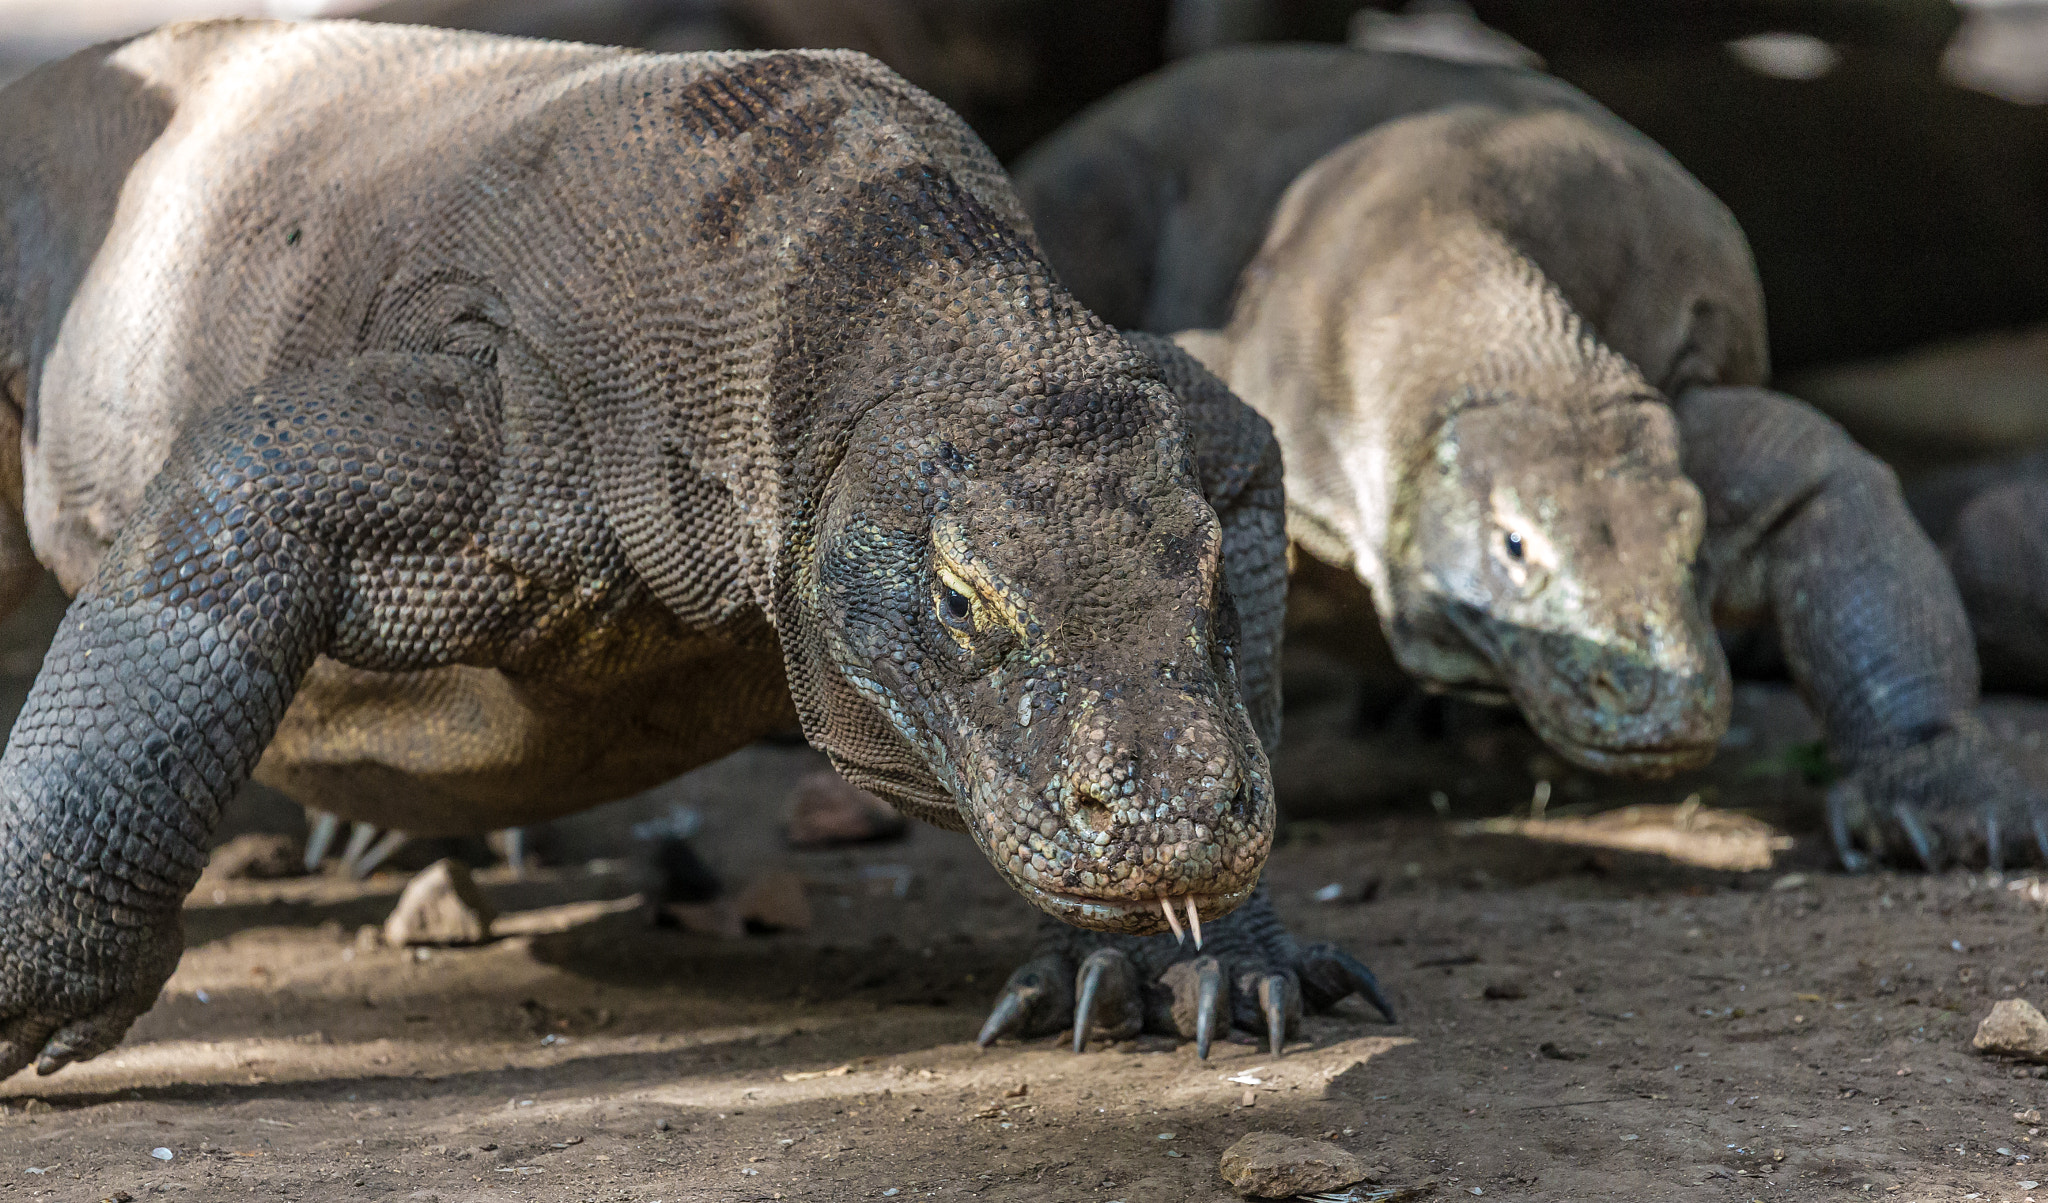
column 1844, row 802
column 84, row 1039
column 1038, row 999
column 1194, row 1002
column 1280, row 1006
column 1921, row 838
column 20, row 1040
column 1329, row 974
column 1106, row 994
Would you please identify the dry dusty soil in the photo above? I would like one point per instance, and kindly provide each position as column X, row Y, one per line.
column 1576, row 1022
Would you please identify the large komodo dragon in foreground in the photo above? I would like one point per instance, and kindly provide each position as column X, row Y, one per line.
column 1512, row 354
column 490, row 428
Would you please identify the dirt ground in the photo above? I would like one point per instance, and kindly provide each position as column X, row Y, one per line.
column 1576, row 1022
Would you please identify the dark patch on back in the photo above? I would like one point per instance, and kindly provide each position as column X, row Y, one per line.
column 864, row 249
column 724, row 105
column 785, row 144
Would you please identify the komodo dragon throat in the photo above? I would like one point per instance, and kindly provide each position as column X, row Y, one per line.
column 1512, row 351
column 509, row 426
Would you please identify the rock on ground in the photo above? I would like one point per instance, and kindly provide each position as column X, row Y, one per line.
column 1268, row 1165
column 2013, row 1029
column 440, row 906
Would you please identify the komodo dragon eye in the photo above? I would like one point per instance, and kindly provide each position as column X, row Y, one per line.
column 957, row 608
column 1514, row 545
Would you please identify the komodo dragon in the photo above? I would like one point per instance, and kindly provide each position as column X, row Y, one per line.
column 490, row 428
column 1512, row 352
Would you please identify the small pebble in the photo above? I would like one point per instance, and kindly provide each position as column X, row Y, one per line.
column 161, row 1153
column 661, row 1125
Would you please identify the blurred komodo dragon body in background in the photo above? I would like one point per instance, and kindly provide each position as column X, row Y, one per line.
column 1512, row 352
column 491, row 428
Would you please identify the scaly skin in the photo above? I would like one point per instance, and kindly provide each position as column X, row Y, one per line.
column 538, row 421
column 1511, row 351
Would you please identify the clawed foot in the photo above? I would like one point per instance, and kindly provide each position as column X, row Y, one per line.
column 1953, row 799
column 1244, row 972
column 368, row 847
column 68, row 999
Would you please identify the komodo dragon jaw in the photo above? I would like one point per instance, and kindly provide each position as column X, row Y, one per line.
column 1552, row 559
column 1055, row 645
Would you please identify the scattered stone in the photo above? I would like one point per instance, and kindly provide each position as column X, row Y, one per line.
column 2031, row 1115
column 257, row 857
column 1507, row 991
column 828, row 812
column 774, row 902
column 440, row 906
column 1552, row 1051
column 1269, row 1165
column 2013, row 1029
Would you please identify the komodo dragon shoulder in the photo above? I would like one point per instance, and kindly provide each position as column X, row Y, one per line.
column 477, row 428
column 1513, row 354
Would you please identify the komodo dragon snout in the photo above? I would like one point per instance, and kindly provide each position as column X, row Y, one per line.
column 1049, row 627
column 1556, row 552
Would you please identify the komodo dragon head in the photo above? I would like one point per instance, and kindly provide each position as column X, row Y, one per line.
column 1548, row 556
column 1023, row 631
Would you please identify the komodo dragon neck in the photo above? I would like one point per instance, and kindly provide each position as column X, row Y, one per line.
column 1359, row 386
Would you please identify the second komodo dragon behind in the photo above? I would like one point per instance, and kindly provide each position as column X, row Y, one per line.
column 1512, row 350
column 455, row 431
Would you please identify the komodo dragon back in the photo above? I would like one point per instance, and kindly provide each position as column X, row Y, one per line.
column 606, row 403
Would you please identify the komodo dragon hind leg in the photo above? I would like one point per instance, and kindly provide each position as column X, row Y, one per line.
column 1248, row 973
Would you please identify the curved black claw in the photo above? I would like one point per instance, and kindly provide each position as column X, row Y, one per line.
column 1950, row 799
column 1329, row 975
column 1252, row 977
column 1108, row 976
column 1208, row 1003
column 1273, row 1002
column 1038, row 998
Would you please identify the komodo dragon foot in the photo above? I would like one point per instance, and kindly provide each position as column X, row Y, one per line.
column 1955, row 798
column 1244, row 971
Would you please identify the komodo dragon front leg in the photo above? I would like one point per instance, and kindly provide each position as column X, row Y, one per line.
column 1244, row 970
column 277, row 532
column 1810, row 532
